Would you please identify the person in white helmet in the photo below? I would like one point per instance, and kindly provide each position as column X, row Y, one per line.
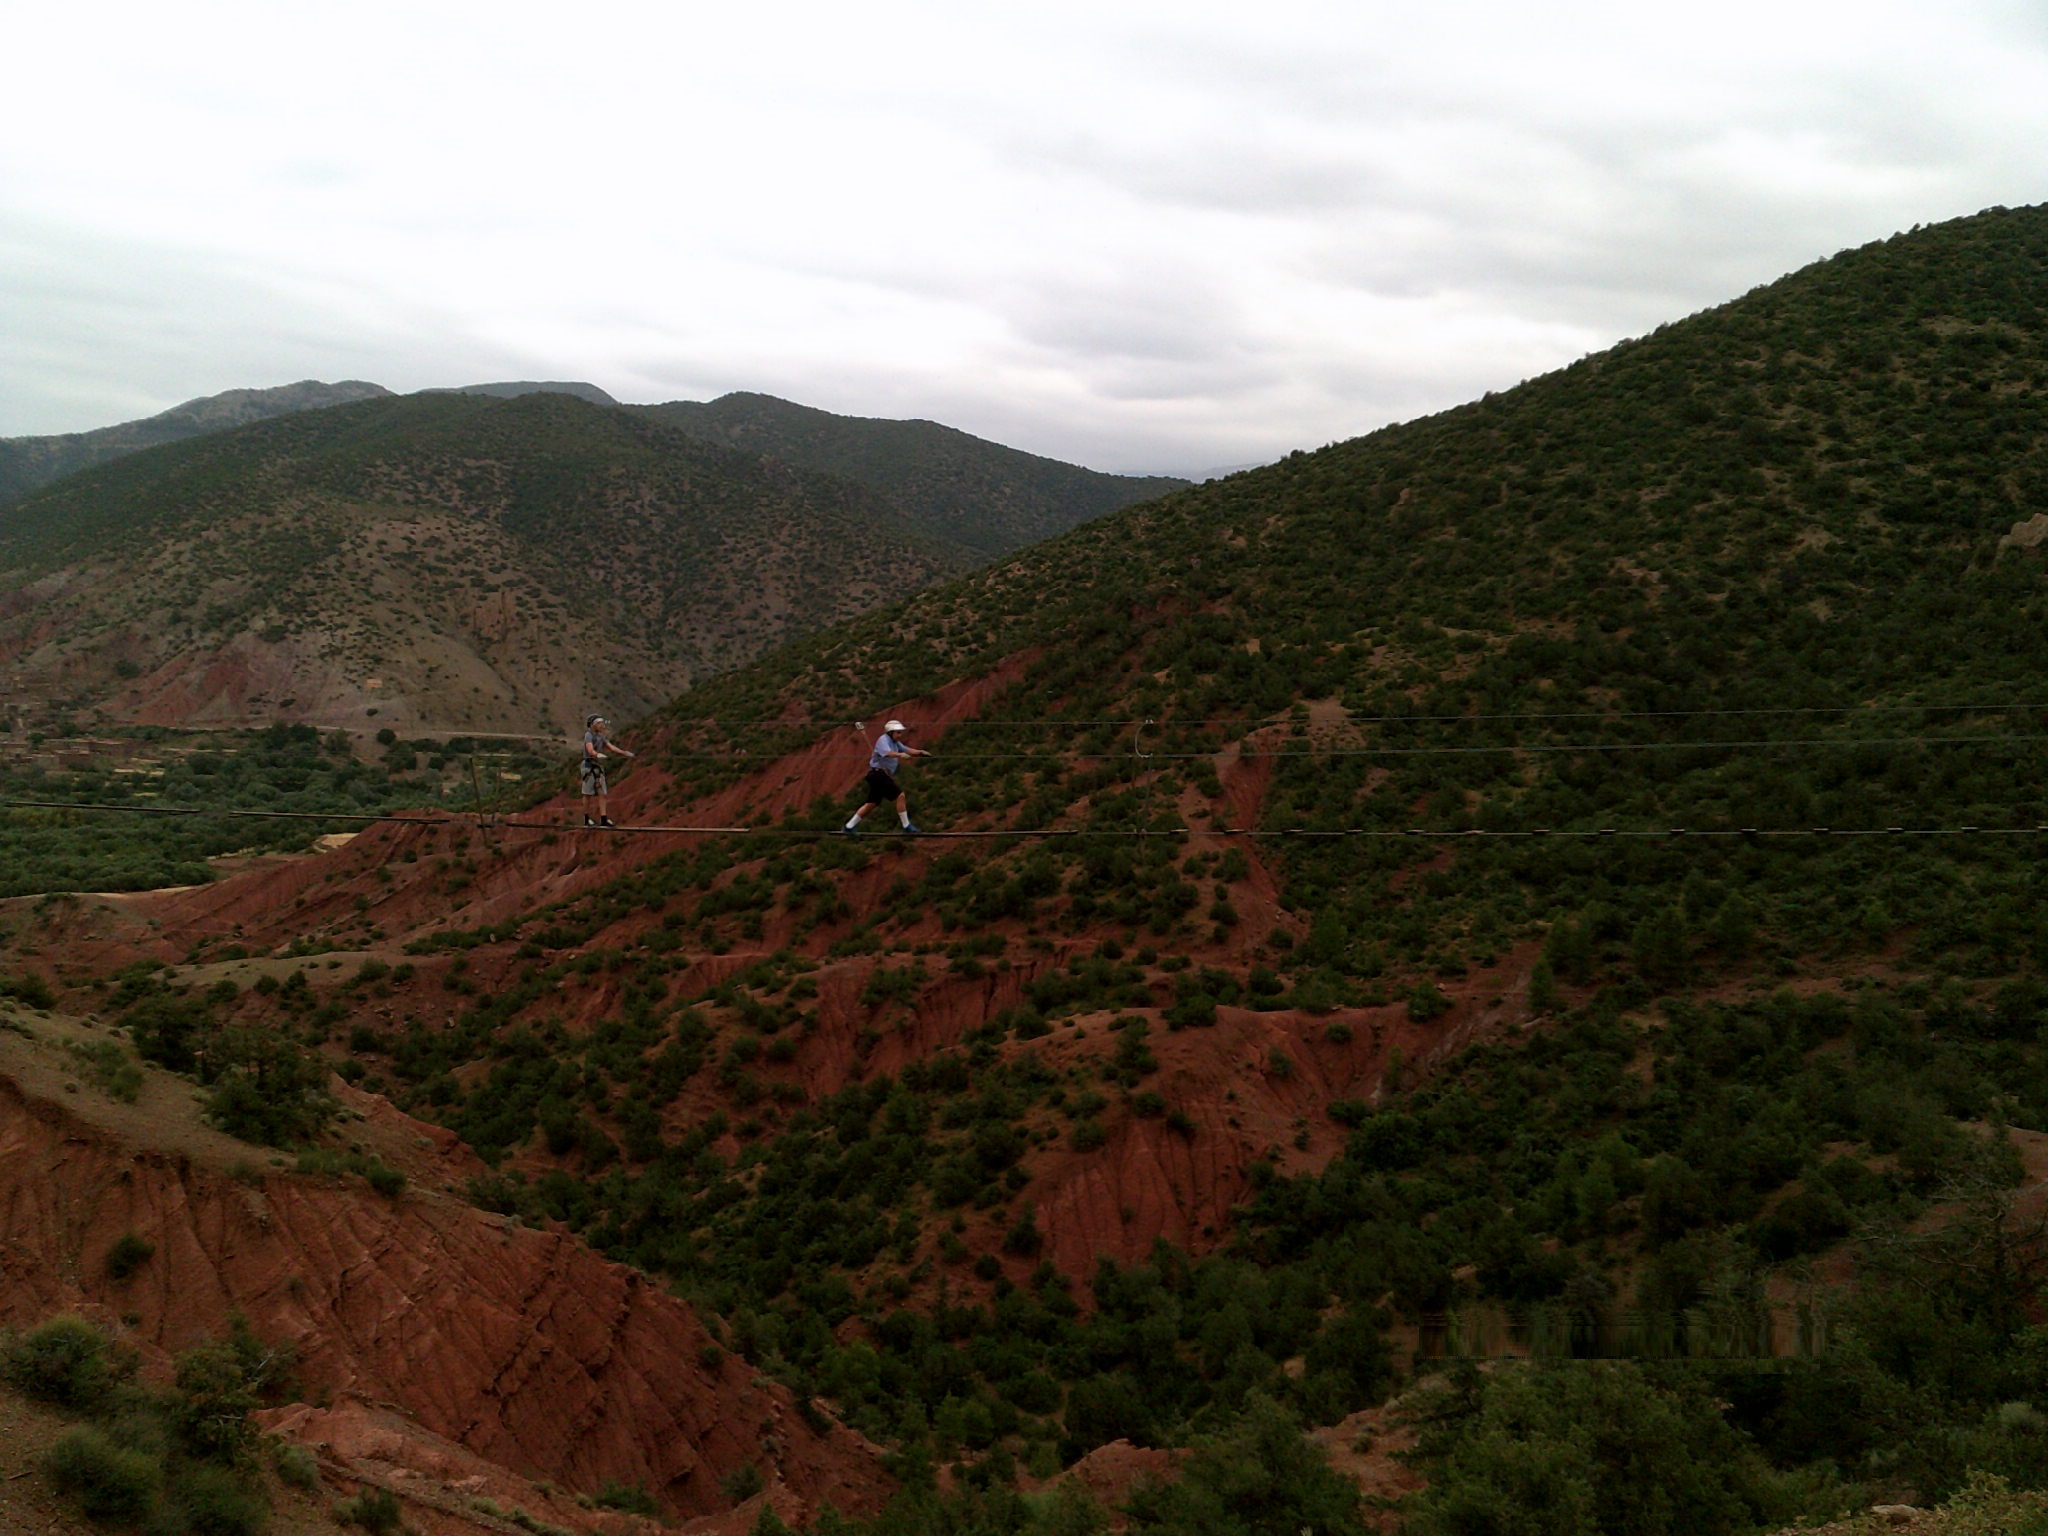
column 598, row 749
column 890, row 750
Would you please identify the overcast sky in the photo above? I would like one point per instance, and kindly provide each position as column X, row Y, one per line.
column 1138, row 235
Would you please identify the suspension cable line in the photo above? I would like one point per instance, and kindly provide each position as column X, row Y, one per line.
column 490, row 822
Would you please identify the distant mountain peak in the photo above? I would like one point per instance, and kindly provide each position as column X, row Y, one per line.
column 510, row 389
column 982, row 494
column 28, row 463
column 232, row 407
column 450, row 557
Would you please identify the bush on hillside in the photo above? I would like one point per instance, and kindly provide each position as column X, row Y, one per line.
column 266, row 1089
column 215, row 1395
column 1599, row 1446
column 106, row 1481
column 374, row 1509
column 128, row 1253
column 66, row 1362
column 630, row 1498
column 1259, row 1477
column 29, row 989
column 216, row 1501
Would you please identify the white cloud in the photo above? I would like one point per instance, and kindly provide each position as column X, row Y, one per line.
column 1134, row 234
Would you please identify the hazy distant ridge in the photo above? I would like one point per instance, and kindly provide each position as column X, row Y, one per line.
column 511, row 390
column 448, row 558
column 27, row 463
column 981, row 494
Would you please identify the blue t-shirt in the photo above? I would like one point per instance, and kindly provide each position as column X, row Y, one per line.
column 887, row 754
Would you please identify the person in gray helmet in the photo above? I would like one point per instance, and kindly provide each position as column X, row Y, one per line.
column 890, row 751
column 598, row 749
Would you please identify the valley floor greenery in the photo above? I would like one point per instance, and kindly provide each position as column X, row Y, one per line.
column 308, row 783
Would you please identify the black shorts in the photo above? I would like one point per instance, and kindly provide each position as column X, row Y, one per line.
column 882, row 786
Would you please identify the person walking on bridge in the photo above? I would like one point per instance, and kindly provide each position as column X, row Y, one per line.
column 890, row 751
column 598, row 749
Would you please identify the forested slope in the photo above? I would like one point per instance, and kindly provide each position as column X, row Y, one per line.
column 1558, row 876
column 991, row 498
column 29, row 463
column 451, row 560
column 1704, row 677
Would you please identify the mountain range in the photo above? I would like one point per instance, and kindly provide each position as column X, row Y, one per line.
column 27, row 463
column 499, row 558
column 992, row 500
column 1494, row 967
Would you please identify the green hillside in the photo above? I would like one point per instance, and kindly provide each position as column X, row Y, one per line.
column 1751, row 577
column 991, row 498
column 512, row 388
column 1625, row 790
column 1752, row 571
column 28, row 463
column 534, row 462
column 493, row 563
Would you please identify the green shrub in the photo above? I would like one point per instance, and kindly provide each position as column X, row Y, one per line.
column 66, row 1361
column 742, row 1482
column 217, row 1501
column 296, row 1466
column 374, row 1171
column 113, row 1070
column 630, row 1498
column 1987, row 1505
column 128, row 1253
column 103, row 1479
column 214, row 1399
column 1600, row 1446
column 32, row 990
column 1426, row 1001
column 169, row 1030
column 374, row 1509
column 217, row 1386
column 1257, row 1475
column 526, row 1520
column 385, row 1179
column 267, row 1090
column 1024, row 1238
